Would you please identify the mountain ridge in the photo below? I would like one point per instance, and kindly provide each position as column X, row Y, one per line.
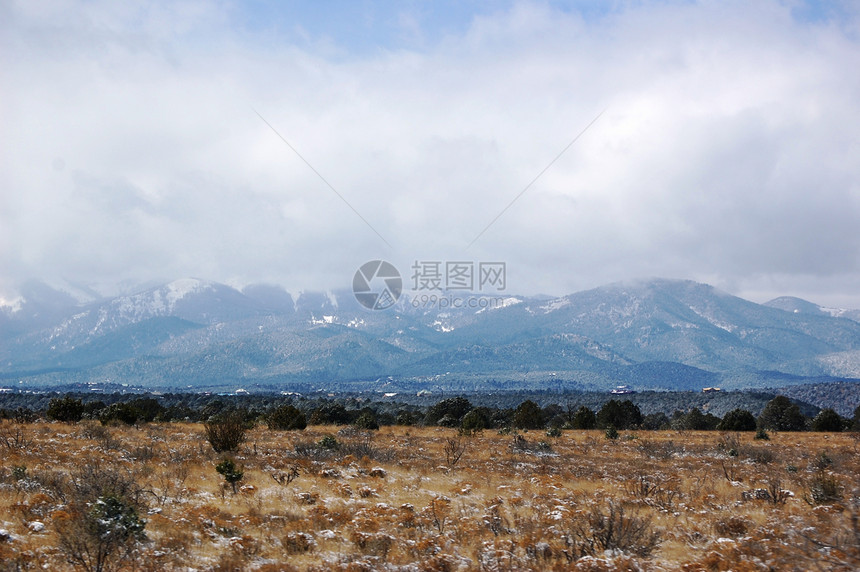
column 653, row 334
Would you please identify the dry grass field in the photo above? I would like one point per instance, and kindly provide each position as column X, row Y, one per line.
column 149, row 498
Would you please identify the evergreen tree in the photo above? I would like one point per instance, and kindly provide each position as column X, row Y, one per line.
column 621, row 415
column 737, row 420
column 584, row 418
column 66, row 409
column 780, row 414
column 528, row 416
column 827, row 420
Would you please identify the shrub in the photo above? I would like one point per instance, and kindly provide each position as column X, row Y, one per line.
column 454, row 407
column 827, row 420
column 655, row 421
column 147, row 408
column 475, row 421
column 737, row 420
column 611, row 433
column 109, row 529
column 528, row 416
column 225, row 432
column 762, row 435
column 822, row 461
column 119, row 412
column 822, row 489
column 330, row 413
column 553, row 432
column 584, row 418
column 232, row 473
column 620, row 414
column 695, row 420
column 65, row 409
column 405, row 418
column 611, row 530
column 328, row 442
column 286, row 418
column 780, row 414
column 367, row 421
column 454, row 449
column 100, row 527
column 733, row 526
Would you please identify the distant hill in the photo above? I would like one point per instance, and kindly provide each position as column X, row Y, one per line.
column 842, row 397
column 651, row 335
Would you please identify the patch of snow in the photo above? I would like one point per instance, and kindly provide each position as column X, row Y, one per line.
column 713, row 320
column 331, row 298
column 834, row 312
column 36, row 526
column 555, row 305
column 80, row 294
column 441, row 326
column 179, row 289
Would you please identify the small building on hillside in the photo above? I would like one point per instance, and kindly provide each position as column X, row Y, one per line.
column 622, row 390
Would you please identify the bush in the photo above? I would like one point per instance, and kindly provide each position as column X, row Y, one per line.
column 328, row 442
column 119, row 412
column 656, row 421
column 621, row 415
column 454, row 408
column 226, row 431
column 780, row 414
column 553, row 432
column 367, row 421
column 612, row 530
column 330, row 413
column 92, row 538
column 100, row 527
column 286, row 418
column 528, row 416
column 611, row 432
column 827, row 420
column 475, row 421
column 695, row 420
column 232, row 473
column 737, row 420
column 822, row 489
column 405, row 418
column 65, row 409
column 584, row 418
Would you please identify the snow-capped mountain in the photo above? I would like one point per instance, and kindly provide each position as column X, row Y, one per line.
column 654, row 334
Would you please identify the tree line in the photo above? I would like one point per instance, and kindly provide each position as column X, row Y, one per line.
column 287, row 413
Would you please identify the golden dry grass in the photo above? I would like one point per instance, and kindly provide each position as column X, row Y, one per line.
column 390, row 501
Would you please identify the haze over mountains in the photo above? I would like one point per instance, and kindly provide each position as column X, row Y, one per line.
column 193, row 334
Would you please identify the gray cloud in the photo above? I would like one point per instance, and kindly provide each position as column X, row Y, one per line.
column 728, row 151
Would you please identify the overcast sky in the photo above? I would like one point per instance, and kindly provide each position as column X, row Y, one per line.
column 728, row 150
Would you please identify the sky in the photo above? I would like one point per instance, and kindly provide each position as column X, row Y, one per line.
column 580, row 143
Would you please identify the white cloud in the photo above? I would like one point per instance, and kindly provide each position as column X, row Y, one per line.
column 728, row 150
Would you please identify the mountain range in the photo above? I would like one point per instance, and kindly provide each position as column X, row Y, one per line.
column 194, row 334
